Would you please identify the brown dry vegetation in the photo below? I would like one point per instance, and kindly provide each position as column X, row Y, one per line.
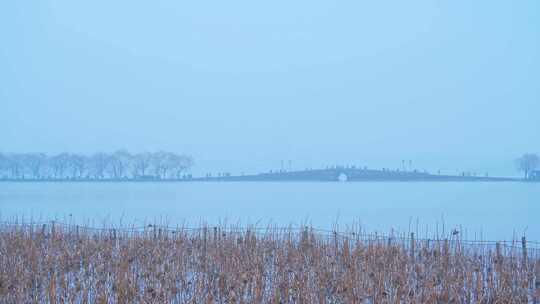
column 69, row 264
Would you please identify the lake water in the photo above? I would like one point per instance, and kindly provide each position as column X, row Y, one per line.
column 480, row 210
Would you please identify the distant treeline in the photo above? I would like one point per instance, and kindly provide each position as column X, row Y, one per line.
column 99, row 166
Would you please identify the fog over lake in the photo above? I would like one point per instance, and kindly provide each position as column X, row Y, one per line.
column 487, row 210
column 245, row 87
column 405, row 133
column 242, row 85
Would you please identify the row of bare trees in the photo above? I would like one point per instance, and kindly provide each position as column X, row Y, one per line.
column 99, row 166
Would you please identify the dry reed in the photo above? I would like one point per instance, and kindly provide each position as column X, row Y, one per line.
column 71, row 264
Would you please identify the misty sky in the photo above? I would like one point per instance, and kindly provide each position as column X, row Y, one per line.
column 241, row 85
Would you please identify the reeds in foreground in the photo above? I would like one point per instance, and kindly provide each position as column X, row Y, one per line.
column 71, row 264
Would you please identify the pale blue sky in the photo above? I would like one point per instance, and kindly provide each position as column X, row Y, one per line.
column 241, row 85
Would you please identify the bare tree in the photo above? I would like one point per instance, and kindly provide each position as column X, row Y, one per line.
column 180, row 164
column 99, row 162
column 162, row 162
column 141, row 163
column 36, row 162
column 528, row 163
column 119, row 163
column 59, row 164
column 15, row 165
column 4, row 161
column 78, row 165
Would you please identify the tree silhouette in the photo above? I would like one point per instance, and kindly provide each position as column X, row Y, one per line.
column 527, row 163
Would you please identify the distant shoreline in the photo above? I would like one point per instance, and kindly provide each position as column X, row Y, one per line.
column 320, row 175
column 261, row 181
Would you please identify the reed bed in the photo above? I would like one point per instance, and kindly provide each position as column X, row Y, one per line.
column 56, row 263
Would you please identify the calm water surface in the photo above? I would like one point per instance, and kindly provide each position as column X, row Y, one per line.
column 480, row 210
